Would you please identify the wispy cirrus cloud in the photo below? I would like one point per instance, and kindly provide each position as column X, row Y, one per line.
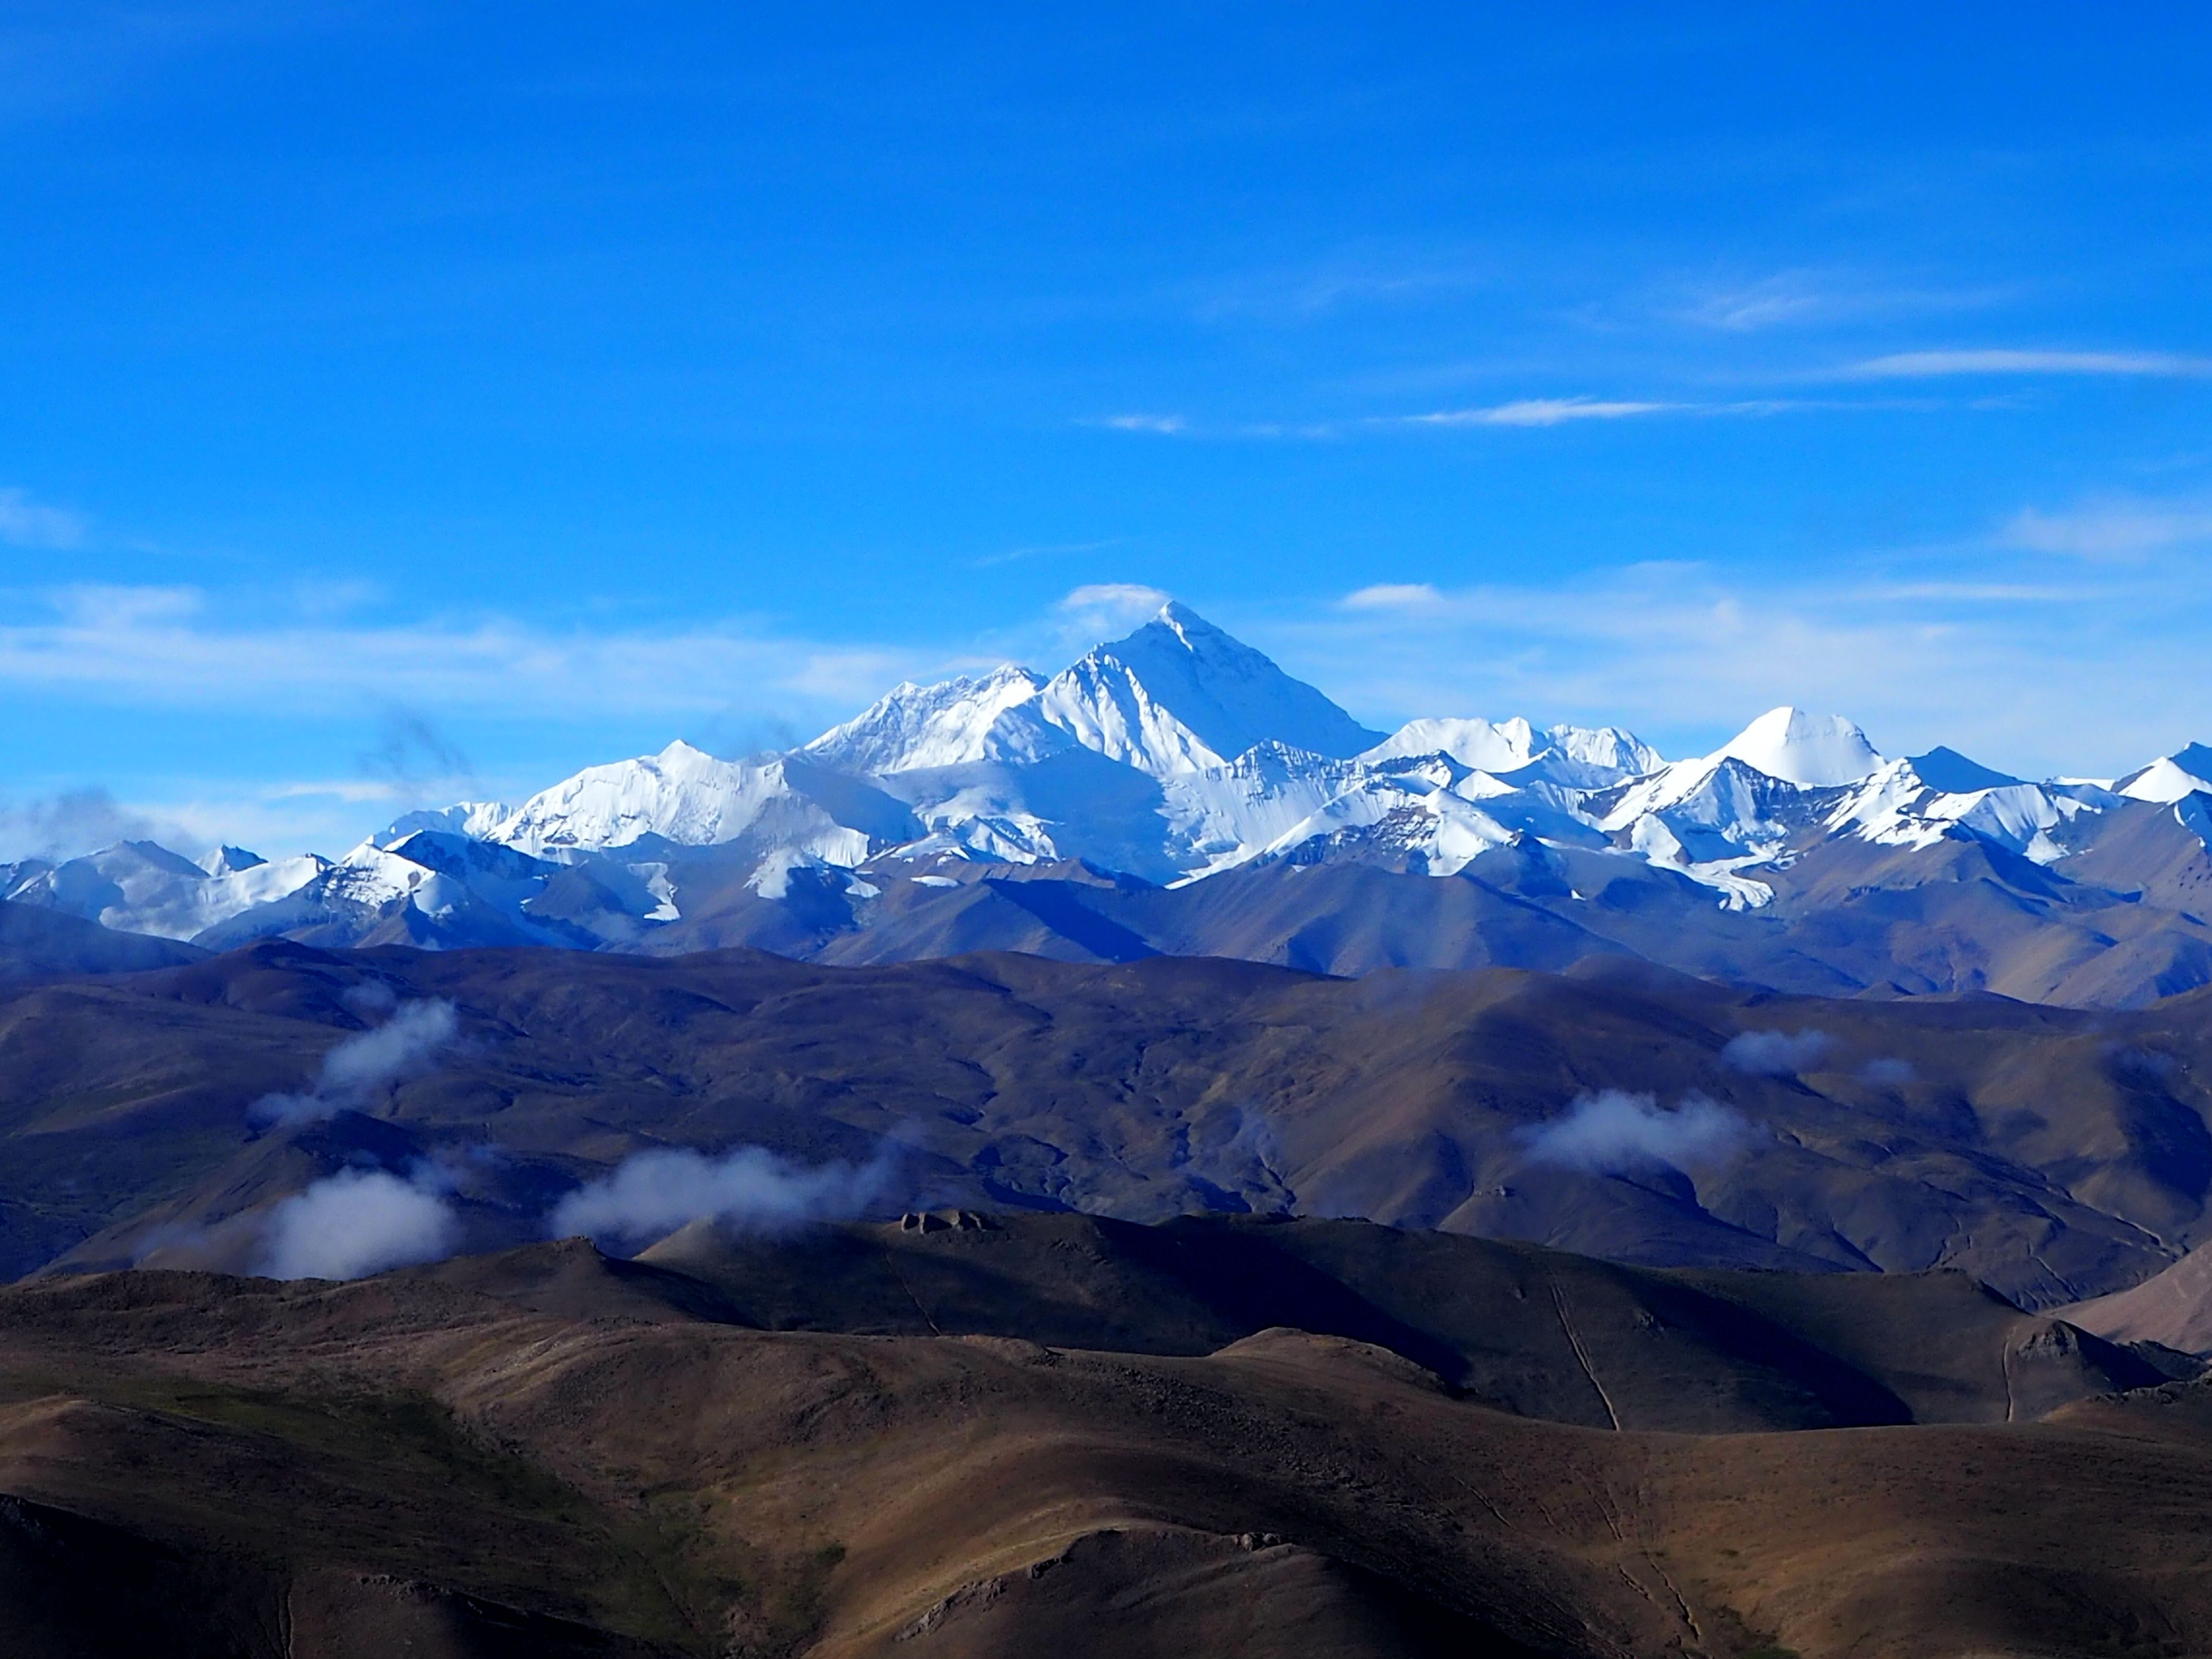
column 1776, row 302
column 2110, row 529
column 1301, row 294
column 171, row 646
column 1558, row 411
column 1393, row 596
column 1166, row 425
column 2092, row 674
column 1813, row 298
column 1540, row 411
column 84, row 653
column 1526, row 413
column 25, row 522
column 1931, row 364
column 1044, row 551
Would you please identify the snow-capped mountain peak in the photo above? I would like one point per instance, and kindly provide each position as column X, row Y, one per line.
column 682, row 793
column 142, row 887
column 1505, row 747
column 478, row 818
column 955, row 722
column 1579, row 758
column 1920, row 801
column 1171, row 756
column 1606, row 749
column 1816, row 750
column 2173, row 777
column 1179, row 695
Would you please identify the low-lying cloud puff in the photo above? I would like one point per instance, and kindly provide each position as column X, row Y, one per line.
column 373, row 998
column 1888, row 1073
column 359, row 1221
column 406, row 1045
column 753, row 1189
column 1611, row 1132
column 1776, row 1054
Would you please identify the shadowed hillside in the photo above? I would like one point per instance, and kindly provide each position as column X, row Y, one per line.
column 1540, row 1333
column 431, row 1463
column 1619, row 1111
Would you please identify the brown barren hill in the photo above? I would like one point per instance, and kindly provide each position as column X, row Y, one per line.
column 2173, row 1309
column 2053, row 1153
column 411, row 1459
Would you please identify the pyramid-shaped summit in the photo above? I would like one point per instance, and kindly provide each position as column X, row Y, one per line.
column 1180, row 695
column 1815, row 750
column 1177, row 695
column 2176, row 777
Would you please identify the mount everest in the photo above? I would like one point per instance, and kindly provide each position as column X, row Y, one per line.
column 1175, row 791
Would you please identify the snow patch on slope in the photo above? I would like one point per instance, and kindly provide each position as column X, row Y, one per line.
column 955, row 722
column 1899, row 807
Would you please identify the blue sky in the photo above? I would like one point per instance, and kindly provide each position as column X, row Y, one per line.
column 408, row 401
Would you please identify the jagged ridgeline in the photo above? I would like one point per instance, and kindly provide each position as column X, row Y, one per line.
column 1175, row 792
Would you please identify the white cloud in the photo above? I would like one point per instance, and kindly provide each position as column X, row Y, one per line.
column 750, row 1188
column 2088, row 678
column 1540, row 411
column 358, row 1068
column 1299, row 294
column 1811, row 298
column 166, row 648
column 1776, row 1054
column 1097, row 610
column 2109, row 531
column 110, row 605
column 1044, row 551
column 350, row 790
column 1393, row 596
column 1611, row 1132
column 1924, row 365
column 1557, row 411
column 1520, row 412
column 27, row 523
column 356, row 1222
column 1165, row 424
column 1997, row 592
column 1775, row 303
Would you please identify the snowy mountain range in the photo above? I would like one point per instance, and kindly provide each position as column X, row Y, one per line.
column 1175, row 789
